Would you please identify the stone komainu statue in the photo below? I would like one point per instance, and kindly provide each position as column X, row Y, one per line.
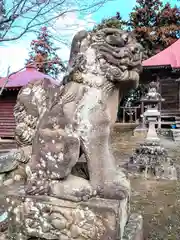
column 66, row 122
column 32, row 102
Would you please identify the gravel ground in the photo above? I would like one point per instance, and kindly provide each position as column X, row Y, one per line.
column 157, row 201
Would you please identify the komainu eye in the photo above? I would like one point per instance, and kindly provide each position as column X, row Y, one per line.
column 125, row 37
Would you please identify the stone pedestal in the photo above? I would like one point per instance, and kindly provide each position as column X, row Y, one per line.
column 175, row 134
column 134, row 228
column 151, row 157
column 52, row 218
column 151, row 134
column 152, row 115
column 140, row 132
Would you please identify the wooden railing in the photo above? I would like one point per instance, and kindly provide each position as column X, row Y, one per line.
column 131, row 113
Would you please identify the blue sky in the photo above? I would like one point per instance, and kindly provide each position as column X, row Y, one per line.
column 15, row 53
column 20, row 47
column 123, row 6
column 110, row 9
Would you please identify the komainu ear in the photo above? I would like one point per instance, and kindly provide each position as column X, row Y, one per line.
column 75, row 46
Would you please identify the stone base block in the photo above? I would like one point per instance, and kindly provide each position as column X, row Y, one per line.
column 175, row 134
column 166, row 172
column 52, row 218
column 140, row 132
column 134, row 228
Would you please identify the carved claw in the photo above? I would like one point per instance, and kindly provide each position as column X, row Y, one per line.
column 40, row 188
column 85, row 194
column 116, row 188
column 74, row 189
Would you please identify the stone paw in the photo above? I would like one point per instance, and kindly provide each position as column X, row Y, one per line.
column 122, row 187
column 85, row 193
column 117, row 187
column 37, row 188
column 73, row 189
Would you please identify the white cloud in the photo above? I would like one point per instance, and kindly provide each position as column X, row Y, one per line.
column 66, row 27
column 15, row 54
column 70, row 22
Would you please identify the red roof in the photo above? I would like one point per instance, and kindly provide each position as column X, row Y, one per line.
column 20, row 79
column 169, row 56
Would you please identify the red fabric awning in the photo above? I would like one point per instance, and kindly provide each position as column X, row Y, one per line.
column 20, row 79
column 169, row 56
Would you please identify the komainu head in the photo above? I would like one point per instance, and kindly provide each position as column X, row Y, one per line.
column 109, row 52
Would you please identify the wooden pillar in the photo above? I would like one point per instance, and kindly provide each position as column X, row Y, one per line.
column 130, row 115
column 135, row 115
column 142, row 107
column 142, row 113
column 123, row 115
column 160, row 103
column 159, row 118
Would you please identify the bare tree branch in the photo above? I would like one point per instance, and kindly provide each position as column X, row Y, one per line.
column 8, row 74
column 26, row 16
column 5, row 82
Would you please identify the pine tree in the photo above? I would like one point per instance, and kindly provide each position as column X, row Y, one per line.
column 43, row 55
column 113, row 22
column 155, row 26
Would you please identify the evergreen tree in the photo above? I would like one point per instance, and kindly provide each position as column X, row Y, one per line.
column 113, row 22
column 155, row 26
column 43, row 55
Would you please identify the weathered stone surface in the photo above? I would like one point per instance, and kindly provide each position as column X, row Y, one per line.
column 3, row 236
column 134, row 228
column 151, row 157
column 99, row 62
column 8, row 163
column 32, row 101
column 52, row 218
column 175, row 134
column 76, row 120
column 80, row 119
column 12, row 165
column 140, row 132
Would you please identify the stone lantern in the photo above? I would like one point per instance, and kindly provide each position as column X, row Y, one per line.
column 151, row 157
column 150, row 111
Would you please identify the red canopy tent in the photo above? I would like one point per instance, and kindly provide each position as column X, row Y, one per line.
column 168, row 57
column 12, row 85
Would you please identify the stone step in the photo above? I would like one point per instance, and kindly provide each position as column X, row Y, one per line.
column 176, row 134
column 167, row 116
column 176, row 139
